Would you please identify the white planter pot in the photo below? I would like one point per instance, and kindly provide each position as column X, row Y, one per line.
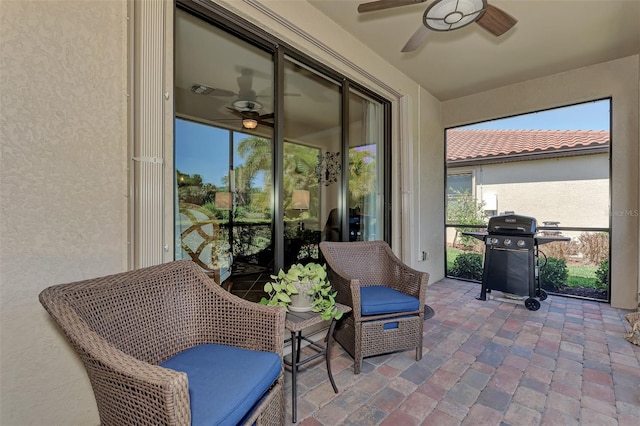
column 303, row 301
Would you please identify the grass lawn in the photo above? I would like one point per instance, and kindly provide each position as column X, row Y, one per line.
column 578, row 275
column 581, row 276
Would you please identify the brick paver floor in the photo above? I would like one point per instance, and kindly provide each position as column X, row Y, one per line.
column 487, row 363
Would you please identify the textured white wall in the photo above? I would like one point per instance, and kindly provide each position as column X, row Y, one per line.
column 63, row 204
column 64, row 176
column 429, row 189
column 571, row 190
column 620, row 80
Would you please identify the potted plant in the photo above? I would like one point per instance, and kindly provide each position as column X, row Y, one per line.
column 303, row 288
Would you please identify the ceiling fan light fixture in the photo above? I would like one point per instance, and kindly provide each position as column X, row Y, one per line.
column 249, row 123
column 448, row 15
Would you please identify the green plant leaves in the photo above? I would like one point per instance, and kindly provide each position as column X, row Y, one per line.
column 284, row 297
column 282, row 287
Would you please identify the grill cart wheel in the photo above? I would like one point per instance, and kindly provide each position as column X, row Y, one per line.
column 532, row 304
column 542, row 295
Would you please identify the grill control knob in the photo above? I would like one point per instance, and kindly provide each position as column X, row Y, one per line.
column 521, row 243
column 507, row 242
column 494, row 241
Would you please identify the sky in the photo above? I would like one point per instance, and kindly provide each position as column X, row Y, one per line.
column 587, row 116
column 203, row 150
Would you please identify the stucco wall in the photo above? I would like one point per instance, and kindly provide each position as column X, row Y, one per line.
column 429, row 189
column 63, row 200
column 571, row 190
column 618, row 79
column 65, row 177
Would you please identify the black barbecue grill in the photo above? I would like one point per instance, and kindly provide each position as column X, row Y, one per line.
column 511, row 258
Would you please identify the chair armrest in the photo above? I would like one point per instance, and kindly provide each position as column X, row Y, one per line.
column 408, row 280
column 230, row 320
column 117, row 379
column 161, row 394
column 343, row 284
column 412, row 282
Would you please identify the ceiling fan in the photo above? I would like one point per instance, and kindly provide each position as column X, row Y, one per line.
column 448, row 15
column 248, row 112
column 245, row 106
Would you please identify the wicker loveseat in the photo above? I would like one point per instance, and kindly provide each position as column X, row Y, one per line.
column 386, row 297
column 166, row 345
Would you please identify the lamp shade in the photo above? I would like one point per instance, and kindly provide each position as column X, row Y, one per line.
column 249, row 123
column 300, row 199
column 223, row 200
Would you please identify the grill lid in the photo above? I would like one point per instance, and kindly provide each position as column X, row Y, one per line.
column 512, row 224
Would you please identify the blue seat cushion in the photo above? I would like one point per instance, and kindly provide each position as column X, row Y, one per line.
column 225, row 382
column 380, row 299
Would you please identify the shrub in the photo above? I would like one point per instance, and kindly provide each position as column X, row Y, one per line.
column 594, row 246
column 602, row 275
column 561, row 249
column 468, row 265
column 553, row 274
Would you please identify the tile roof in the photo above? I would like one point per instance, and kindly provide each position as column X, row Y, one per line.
column 487, row 144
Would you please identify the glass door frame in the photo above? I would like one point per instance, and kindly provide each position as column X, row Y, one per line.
column 219, row 17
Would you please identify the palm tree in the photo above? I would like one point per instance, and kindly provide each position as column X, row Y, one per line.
column 257, row 154
column 362, row 175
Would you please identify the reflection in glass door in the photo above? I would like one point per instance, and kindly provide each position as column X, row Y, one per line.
column 223, row 150
column 366, row 171
column 312, row 159
column 250, row 201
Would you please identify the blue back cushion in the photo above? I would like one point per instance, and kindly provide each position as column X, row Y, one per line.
column 379, row 299
column 225, row 382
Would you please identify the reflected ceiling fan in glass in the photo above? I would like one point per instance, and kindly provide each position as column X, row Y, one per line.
column 247, row 111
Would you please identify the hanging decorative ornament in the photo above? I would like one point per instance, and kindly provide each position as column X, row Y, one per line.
column 328, row 168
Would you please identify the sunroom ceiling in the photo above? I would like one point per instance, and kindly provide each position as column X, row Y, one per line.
column 551, row 36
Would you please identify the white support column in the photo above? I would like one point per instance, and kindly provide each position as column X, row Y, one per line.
column 152, row 115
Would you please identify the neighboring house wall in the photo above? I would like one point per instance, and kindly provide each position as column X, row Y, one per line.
column 619, row 79
column 571, row 190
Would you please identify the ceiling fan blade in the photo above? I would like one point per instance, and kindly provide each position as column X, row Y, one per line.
column 222, row 92
column 265, row 123
column 496, row 21
column 266, row 116
column 416, row 39
column 372, row 6
column 235, row 112
column 201, row 89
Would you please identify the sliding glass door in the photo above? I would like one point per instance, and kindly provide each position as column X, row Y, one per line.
column 263, row 177
column 366, row 168
column 223, row 150
column 312, row 160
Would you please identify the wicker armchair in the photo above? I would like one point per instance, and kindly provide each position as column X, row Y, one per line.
column 387, row 321
column 124, row 326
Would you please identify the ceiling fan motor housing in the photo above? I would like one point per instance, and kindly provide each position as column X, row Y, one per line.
column 247, row 106
column 448, row 15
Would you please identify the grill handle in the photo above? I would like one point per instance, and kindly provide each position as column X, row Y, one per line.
column 510, row 228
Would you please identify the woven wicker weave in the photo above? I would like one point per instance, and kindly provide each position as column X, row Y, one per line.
column 356, row 264
column 634, row 321
column 123, row 325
